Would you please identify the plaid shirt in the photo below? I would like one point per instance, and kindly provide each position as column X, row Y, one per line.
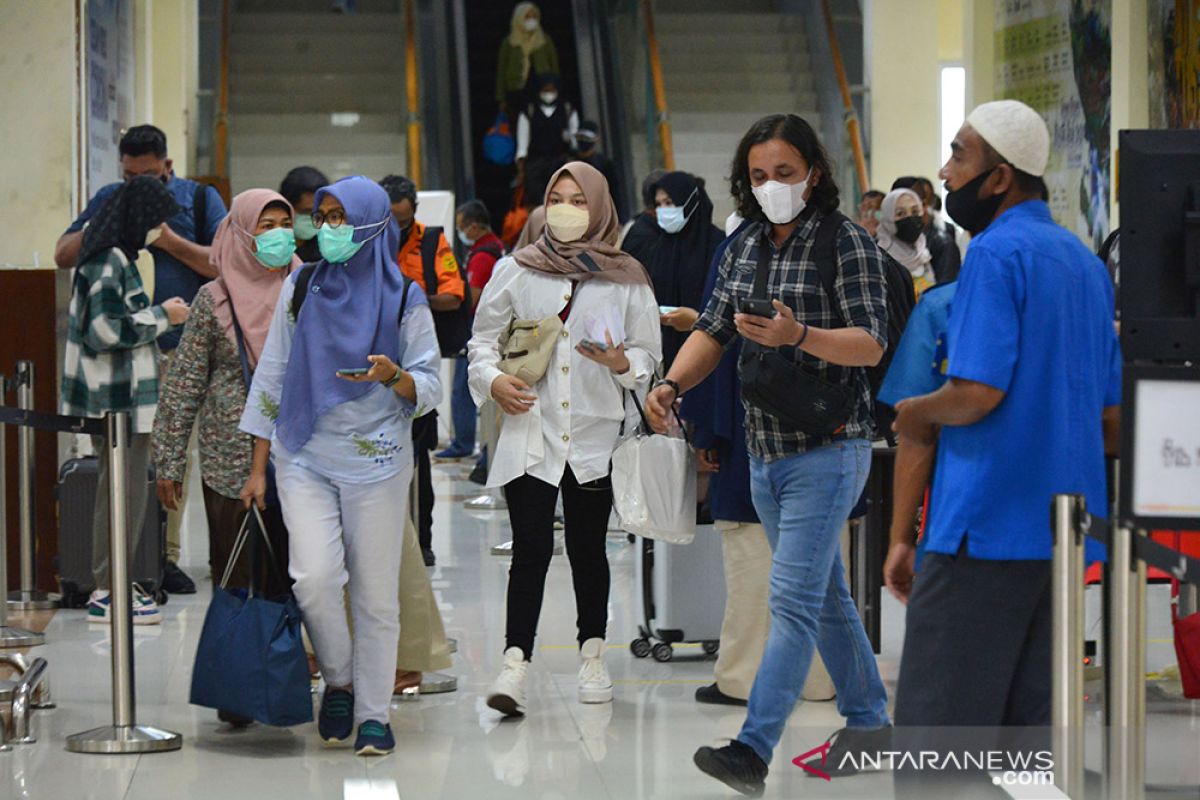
column 111, row 361
column 794, row 280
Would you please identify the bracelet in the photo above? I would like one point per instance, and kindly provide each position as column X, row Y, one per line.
column 803, row 336
column 388, row 384
column 667, row 382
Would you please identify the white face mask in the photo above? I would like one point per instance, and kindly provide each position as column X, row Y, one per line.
column 781, row 202
column 670, row 218
column 568, row 223
column 548, row 98
column 531, row 24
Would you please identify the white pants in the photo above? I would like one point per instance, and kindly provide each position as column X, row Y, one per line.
column 351, row 534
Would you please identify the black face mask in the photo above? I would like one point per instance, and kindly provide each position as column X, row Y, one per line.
column 964, row 206
column 909, row 229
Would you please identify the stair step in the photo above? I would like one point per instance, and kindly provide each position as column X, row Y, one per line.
column 749, row 102
column 258, row 171
column 384, row 60
column 713, row 82
column 720, row 122
column 739, row 63
column 740, row 22
column 313, row 123
column 289, row 8
column 299, row 88
column 328, row 45
column 349, row 101
column 285, row 141
column 666, row 8
column 709, row 41
column 264, row 23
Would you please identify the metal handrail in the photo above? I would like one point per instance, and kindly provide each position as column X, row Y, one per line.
column 221, row 125
column 660, row 91
column 413, row 94
column 852, row 128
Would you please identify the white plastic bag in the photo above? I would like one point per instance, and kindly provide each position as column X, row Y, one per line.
column 654, row 487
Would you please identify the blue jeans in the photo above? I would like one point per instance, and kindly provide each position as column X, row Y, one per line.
column 462, row 410
column 803, row 502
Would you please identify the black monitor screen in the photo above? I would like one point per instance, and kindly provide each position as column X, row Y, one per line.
column 1160, row 290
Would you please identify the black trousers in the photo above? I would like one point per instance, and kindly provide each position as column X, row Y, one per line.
column 424, row 433
column 586, row 509
column 975, row 670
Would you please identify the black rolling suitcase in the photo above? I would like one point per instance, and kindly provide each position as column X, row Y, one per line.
column 76, row 495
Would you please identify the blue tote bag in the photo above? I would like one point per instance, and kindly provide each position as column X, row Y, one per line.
column 251, row 657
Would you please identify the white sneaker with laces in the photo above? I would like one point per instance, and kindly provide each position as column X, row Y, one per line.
column 507, row 694
column 145, row 610
column 595, row 686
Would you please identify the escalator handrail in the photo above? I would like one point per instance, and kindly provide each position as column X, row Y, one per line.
column 660, row 91
column 413, row 98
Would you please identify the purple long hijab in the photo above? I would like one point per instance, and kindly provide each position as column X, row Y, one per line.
column 351, row 312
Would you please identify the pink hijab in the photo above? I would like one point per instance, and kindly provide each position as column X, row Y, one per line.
column 243, row 285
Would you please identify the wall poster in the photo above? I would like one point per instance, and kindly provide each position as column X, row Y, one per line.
column 1056, row 56
column 109, row 94
column 1174, row 27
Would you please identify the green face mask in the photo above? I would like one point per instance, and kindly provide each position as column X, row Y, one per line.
column 305, row 230
column 275, row 248
column 337, row 245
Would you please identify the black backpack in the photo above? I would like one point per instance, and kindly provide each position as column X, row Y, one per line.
column 900, row 303
column 301, row 291
column 453, row 327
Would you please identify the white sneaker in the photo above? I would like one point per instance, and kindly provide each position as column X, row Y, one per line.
column 145, row 610
column 595, row 686
column 507, row 694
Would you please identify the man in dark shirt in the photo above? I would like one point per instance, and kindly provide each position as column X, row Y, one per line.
column 298, row 188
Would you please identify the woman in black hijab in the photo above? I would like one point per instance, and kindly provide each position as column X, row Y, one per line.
column 677, row 254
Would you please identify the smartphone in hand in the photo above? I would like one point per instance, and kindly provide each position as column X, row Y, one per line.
column 594, row 345
column 757, row 306
column 354, row 373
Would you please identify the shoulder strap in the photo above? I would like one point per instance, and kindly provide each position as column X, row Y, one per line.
column 825, row 253
column 408, row 282
column 200, row 214
column 301, row 288
column 759, row 289
column 493, row 250
column 429, row 248
column 241, row 346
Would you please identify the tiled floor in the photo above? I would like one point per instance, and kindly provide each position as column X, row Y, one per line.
column 452, row 746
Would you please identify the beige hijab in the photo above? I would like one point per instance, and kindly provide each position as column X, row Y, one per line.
column 596, row 254
column 526, row 41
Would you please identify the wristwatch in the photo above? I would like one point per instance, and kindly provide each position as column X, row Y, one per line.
column 392, row 381
column 674, row 386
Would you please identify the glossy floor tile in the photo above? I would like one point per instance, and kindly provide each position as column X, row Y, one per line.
column 452, row 746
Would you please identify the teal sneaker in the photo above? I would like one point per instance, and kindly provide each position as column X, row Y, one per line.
column 335, row 722
column 374, row 739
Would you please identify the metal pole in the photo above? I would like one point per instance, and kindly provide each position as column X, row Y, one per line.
column 1125, row 690
column 9, row 637
column 27, row 598
column 124, row 735
column 1066, row 584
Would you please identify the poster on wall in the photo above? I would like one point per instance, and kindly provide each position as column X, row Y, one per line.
column 109, row 82
column 1056, row 56
column 1174, row 27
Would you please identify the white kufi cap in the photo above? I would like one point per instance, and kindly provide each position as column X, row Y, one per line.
column 1016, row 132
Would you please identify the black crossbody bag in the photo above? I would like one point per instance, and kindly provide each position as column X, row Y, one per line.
column 772, row 380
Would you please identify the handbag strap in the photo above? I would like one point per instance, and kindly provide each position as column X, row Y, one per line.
column 247, row 373
column 646, row 422
column 240, row 541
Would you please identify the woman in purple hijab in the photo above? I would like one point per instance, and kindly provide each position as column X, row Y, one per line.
column 350, row 360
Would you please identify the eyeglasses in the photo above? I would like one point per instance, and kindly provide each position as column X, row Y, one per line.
column 334, row 219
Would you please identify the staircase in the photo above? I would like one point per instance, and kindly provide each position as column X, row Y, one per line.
column 723, row 71
column 311, row 87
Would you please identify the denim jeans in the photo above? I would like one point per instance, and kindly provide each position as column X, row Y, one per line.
column 462, row 410
column 803, row 502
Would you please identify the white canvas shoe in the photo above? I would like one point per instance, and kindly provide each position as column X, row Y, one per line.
column 595, row 686
column 507, row 694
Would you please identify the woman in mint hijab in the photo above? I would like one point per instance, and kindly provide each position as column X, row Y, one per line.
column 350, row 360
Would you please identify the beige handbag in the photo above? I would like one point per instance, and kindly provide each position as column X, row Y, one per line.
column 528, row 344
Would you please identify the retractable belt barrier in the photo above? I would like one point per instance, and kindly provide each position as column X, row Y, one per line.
column 1181, row 566
column 55, row 423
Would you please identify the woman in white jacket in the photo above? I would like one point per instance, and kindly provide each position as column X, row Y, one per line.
column 560, row 433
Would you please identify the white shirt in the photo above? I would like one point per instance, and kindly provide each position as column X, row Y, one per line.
column 524, row 130
column 580, row 404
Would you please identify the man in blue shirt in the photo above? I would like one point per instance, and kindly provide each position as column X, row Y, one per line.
column 181, row 263
column 1033, row 366
column 180, row 252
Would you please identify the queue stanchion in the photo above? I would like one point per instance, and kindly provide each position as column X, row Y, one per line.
column 9, row 636
column 1125, row 689
column 1066, row 587
column 27, row 598
column 124, row 735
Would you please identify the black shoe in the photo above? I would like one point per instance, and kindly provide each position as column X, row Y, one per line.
column 176, row 581
column 478, row 475
column 848, row 747
column 430, row 558
column 713, row 695
column 736, row 765
column 236, row 720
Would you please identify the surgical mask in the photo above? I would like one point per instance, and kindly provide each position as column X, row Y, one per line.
column 781, row 202
column 531, row 24
column 732, row 223
column 568, row 223
column 549, row 98
column 153, row 234
column 909, row 229
column 304, row 228
column 965, row 207
column 275, row 248
column 337, row 245
column 671, row 218
column 466, row 240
